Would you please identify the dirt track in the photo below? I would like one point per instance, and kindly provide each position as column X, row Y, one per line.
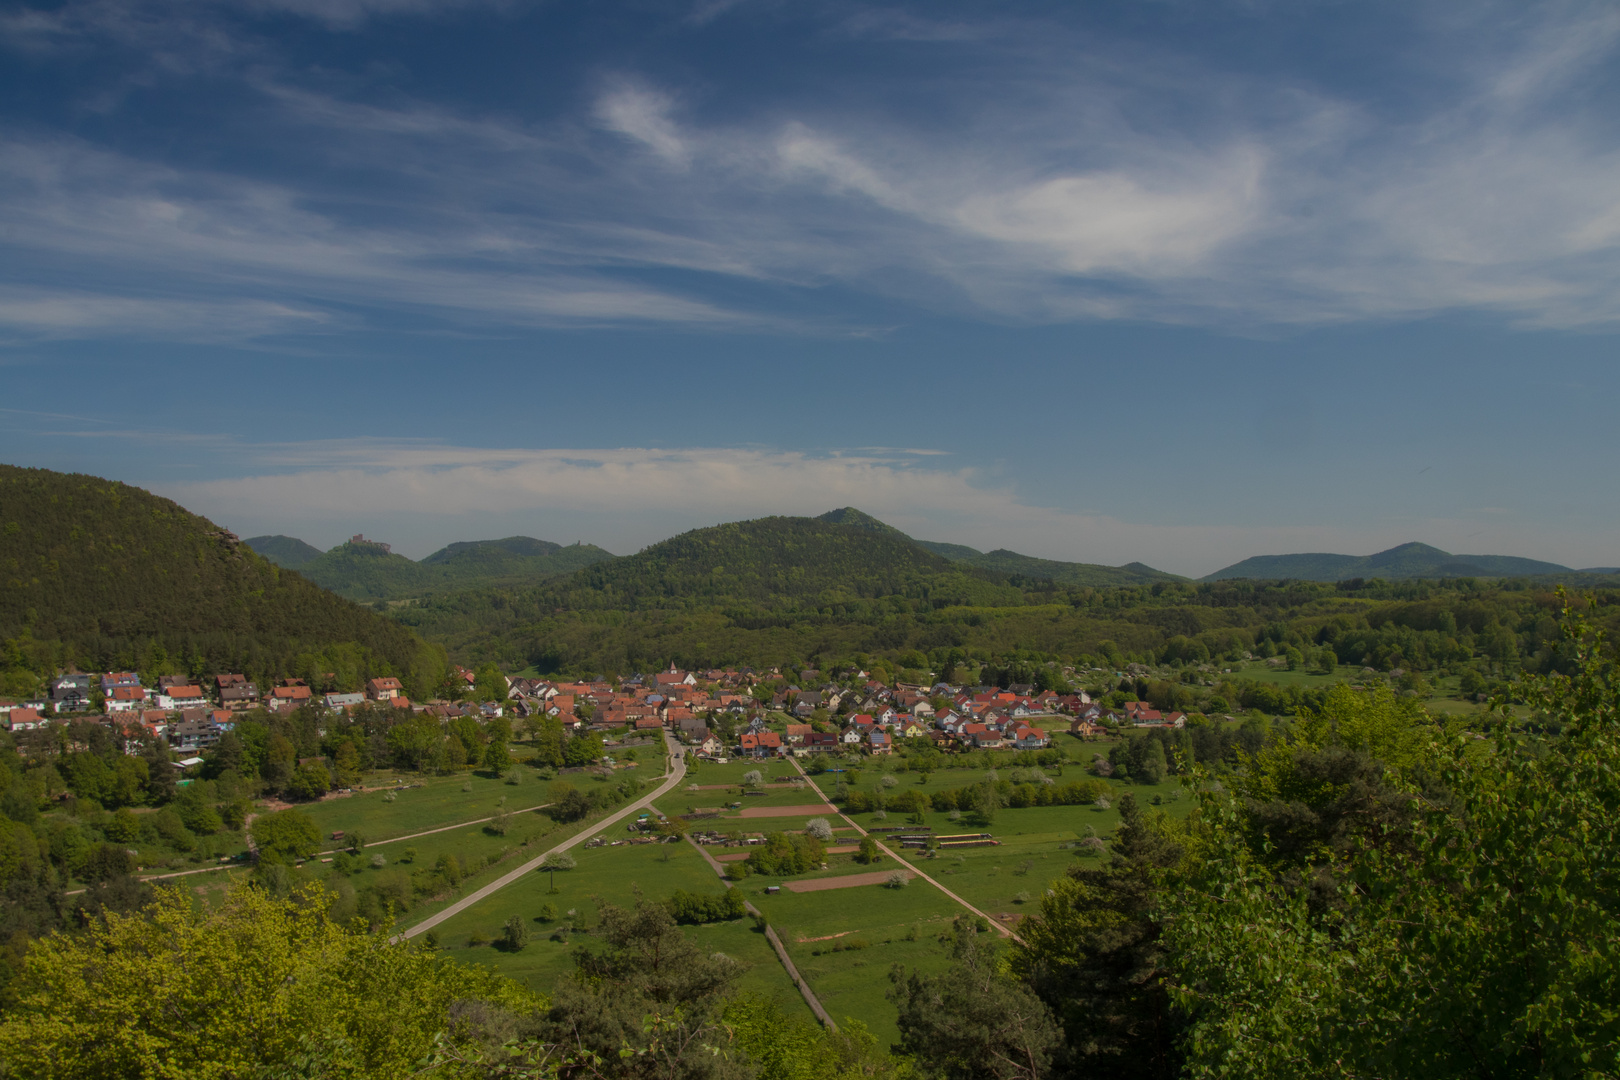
column 807, row 810
column 849, row 881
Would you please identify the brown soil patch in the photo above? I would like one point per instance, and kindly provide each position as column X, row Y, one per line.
column 824, row 937
column 849, row 881
column 843, row 849
column 810, row 810
column 732, row 856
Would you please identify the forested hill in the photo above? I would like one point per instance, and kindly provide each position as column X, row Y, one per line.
column 106, row 576
column 1003, row 561
column 775, row 563
column 288, row 551
column 369, row 571
column 1401, row 563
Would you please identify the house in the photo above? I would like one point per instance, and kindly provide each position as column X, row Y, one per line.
column 879, row 743
column 1030, row 738
column 987, row 740
column 649, row 723
column 673, row 677
column 289, row 697
column 238, row 695
column 122, row 699
column 384, row 689
column 70, row 693
column 1085, row 729
column 118, row 678
column 819, row 742
column 343, row 701
column 692, row 730
column 797, row 732
column 710, row 746
column 21, row 719
column 913, row 728
column 763, row 744
column 854, row 736
column 182, row 696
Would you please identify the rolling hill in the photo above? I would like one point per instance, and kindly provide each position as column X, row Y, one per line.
column 368, row 571
column 108, row 576
column 1403, row 562
column 1003, row 561
column 773, row 563
column 288, row 551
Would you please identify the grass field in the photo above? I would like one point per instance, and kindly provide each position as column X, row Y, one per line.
column 607, row 875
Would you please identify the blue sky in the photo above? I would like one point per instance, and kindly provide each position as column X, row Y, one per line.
column 1177, row 282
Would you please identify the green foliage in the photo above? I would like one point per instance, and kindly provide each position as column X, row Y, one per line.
column 698, row 908
column 649, row 1003
column 364, row 571
column 257, row 987
column 1476, row 927
column 971, row 1022
column 785, row 854
column 285, row 836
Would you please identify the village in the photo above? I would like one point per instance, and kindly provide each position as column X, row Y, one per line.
column 717, row 713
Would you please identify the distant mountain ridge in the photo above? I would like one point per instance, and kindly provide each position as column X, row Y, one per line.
column 1399, row 563
column 369, row 571
column 1011, row 562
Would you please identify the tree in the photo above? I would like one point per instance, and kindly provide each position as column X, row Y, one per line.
column 649, row 1004
column 819, row 828
column 497, row 757
column 285, row 836
column 549, row 740
column 514, row 935
column 310, row 781
column 583, row 749
column 970, row 1023
column 868, row 852
column 184, row 990
column 1466, row 942
column 752, row 778
column 555, row 861
column 1094, row 955
column 346, row 764
column 489, row 684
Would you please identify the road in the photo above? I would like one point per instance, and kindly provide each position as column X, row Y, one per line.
column 676, row 774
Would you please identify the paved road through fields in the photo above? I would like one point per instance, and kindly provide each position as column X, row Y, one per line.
column 677, row 772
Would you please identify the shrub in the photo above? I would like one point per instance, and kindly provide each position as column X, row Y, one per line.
column 783, row 854
column 819, row 828
column 899, row 879
column 697, row 908
column 515, row 935
column 378, row 861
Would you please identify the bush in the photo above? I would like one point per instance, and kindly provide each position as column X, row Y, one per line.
column 819, row 828
column 697, row 908
column 378, row 861
column 899, row 879
column 784, row 854
column 515, row 935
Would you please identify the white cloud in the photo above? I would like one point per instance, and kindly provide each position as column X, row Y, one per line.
column 643, row 115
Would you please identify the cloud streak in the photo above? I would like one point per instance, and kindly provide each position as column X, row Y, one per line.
column 1058, row 182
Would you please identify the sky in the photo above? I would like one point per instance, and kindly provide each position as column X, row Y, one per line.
column 1176, row 282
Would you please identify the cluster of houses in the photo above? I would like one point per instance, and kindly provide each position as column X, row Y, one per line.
column 193, row 714
column 820, row 716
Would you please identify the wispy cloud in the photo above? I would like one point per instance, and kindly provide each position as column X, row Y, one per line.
column 1054, row 181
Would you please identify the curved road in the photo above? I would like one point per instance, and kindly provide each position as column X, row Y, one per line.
column 677, row 773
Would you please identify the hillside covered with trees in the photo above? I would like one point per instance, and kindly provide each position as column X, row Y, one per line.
column 367, row 571
column 103, row 576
